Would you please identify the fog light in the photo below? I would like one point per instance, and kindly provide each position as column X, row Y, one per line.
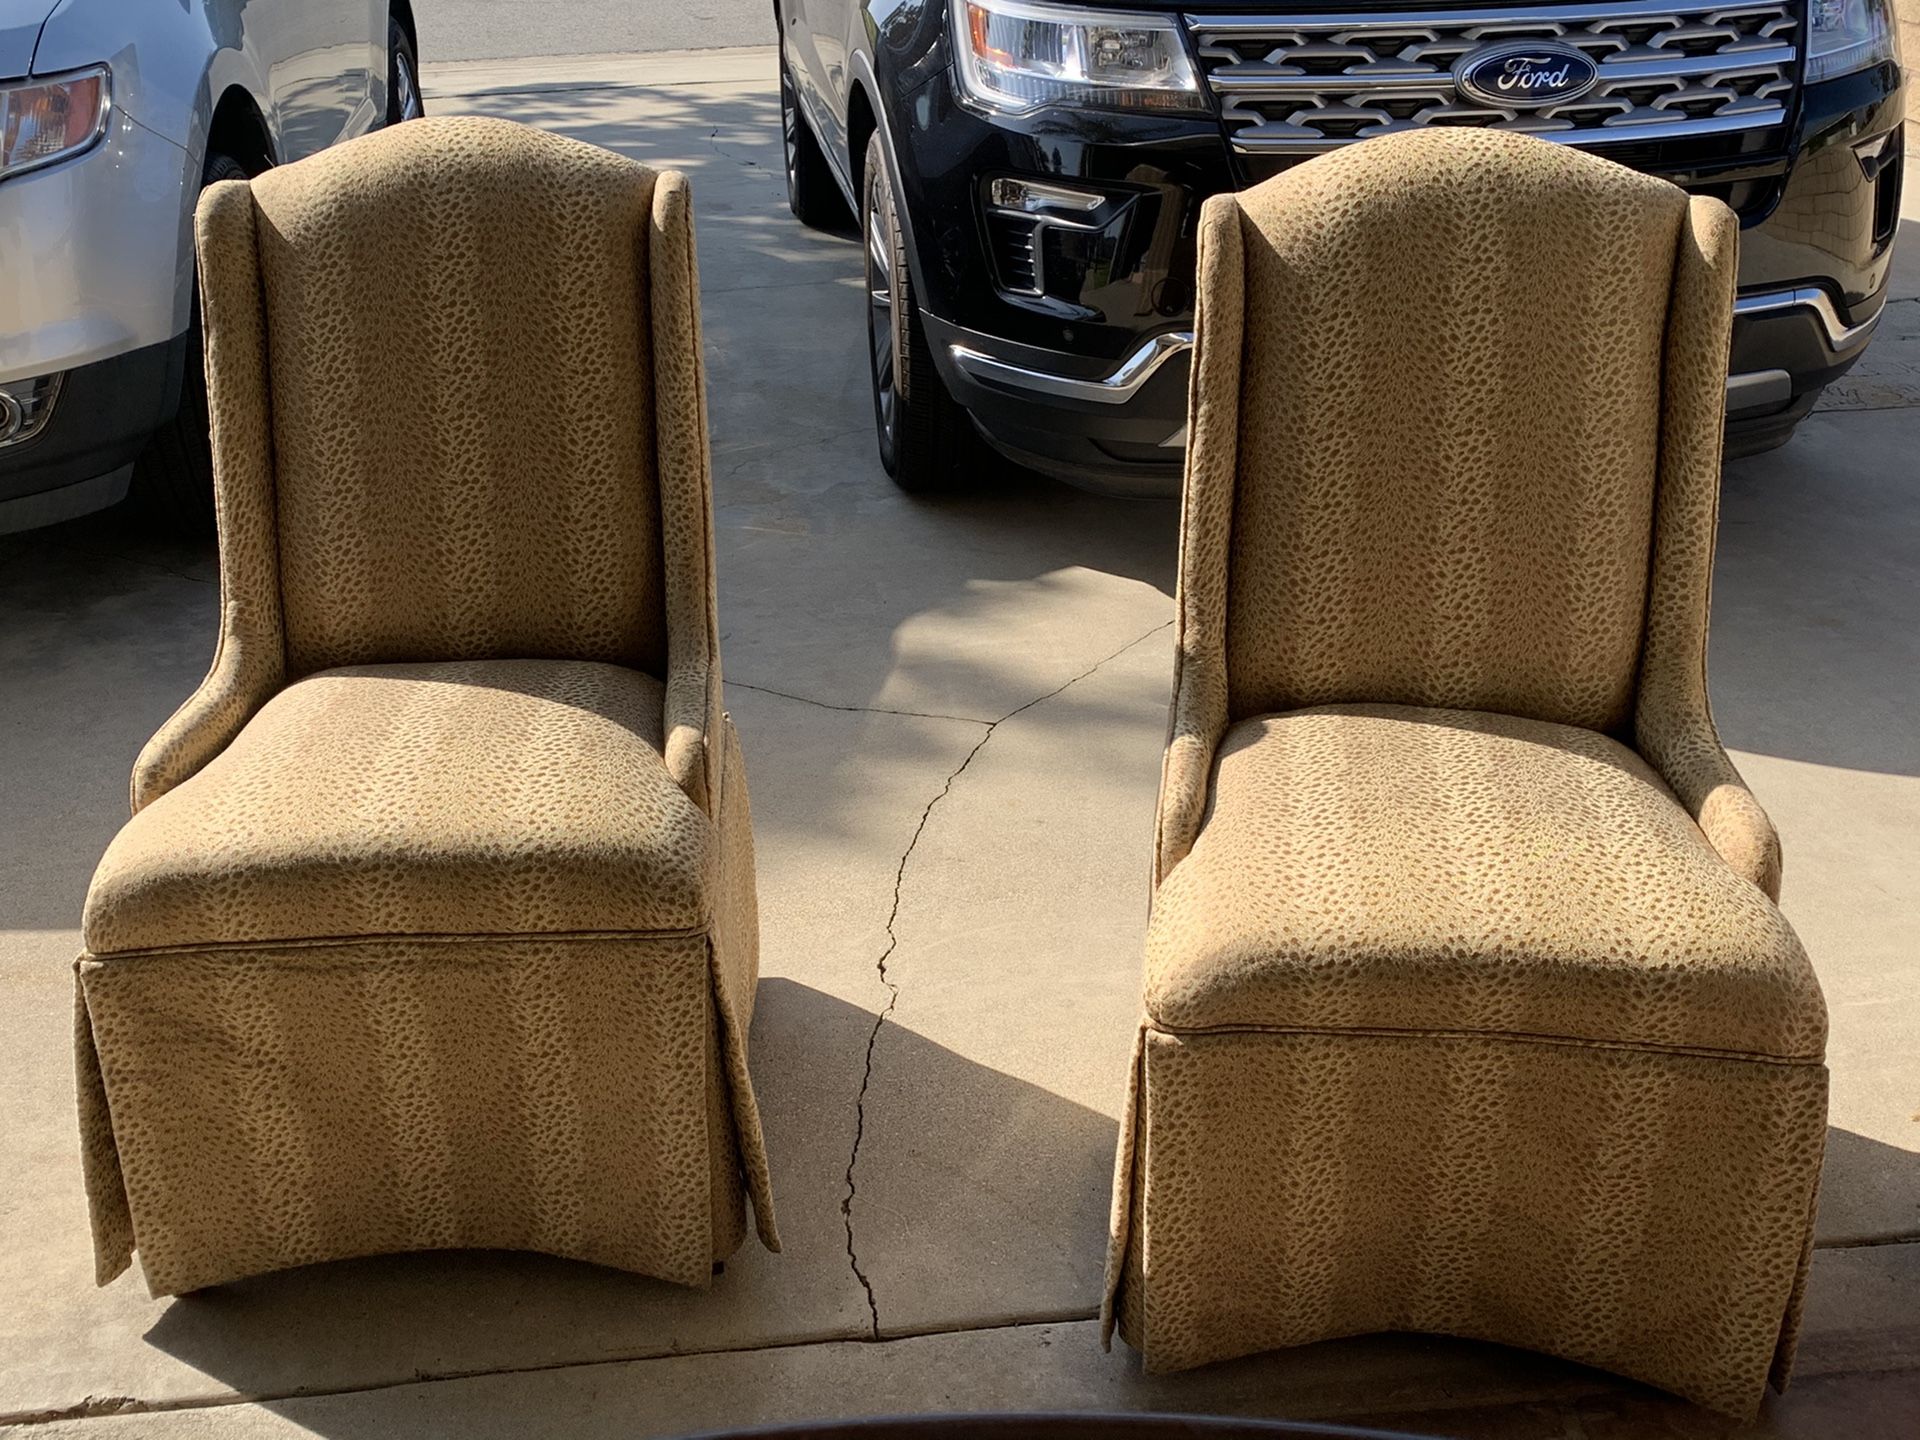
column 26, row 406
column 1031, row 198
column 1046, row 237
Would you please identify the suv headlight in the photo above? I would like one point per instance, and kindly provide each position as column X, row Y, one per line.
column 1017, row 55
column 1848, row 35
column 42, row 121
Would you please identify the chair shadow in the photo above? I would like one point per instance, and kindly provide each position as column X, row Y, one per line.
column 388, row 1320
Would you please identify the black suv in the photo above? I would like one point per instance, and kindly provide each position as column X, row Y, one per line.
column 1027, row 175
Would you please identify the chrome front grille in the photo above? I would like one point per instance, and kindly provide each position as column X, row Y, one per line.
column 1298, row 84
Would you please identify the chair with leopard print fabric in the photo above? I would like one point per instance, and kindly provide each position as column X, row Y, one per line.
column 434, row 925
column 1468, row 1008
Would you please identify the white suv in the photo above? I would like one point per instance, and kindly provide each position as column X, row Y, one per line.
column 113, row 115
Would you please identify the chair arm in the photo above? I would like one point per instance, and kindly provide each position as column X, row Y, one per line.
column 249, row 659
column 1198, row 719
column 244, row 676
column 1673, row 718
column 692, row 721
column 684, row 472
column 1183, row 800
column 1739, row 829
column 1703, row 778
column 1194, row 730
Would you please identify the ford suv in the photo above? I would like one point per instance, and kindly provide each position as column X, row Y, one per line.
column 1027, row 174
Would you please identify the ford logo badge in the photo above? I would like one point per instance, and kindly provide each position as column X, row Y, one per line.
column 1525, row 74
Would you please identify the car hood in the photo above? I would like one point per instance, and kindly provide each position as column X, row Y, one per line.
column 20, row 22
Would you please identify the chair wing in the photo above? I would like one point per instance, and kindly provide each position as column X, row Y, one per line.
column 1448, row 449
column 458, row 411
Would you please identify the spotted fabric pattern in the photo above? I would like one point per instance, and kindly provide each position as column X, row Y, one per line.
column 281, row 1105
column 249, row 661
column 1457, row 440
column 435, row 924
column 488, row 797
column 1672, row 719
column 1643, row 1212
column 476, row 310
column 1467, row 1005
column 1376, row 867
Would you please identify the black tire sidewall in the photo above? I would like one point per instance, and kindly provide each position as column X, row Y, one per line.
column 926, row 447
column 813, row 194
column 873, row 192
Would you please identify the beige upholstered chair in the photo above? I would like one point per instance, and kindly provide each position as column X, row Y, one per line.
column 434, row 925
column 1467, row 1006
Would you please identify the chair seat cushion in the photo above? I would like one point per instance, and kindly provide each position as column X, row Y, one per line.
column 1381, row 867
column 474, row 798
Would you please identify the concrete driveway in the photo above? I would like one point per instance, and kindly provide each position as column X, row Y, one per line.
column 953, row 713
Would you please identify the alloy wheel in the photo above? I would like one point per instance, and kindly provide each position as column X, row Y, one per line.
column 789, row 119
column 407, row 87
column 880, row 310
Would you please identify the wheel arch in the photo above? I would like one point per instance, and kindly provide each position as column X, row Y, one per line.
column 402, row 10
column 861, row 123
column 869, row 114
column 237, row 128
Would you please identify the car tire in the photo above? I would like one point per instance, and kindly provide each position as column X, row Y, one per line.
column 173, row 478
column 403, row 76
column 923, row 432
column 812, row 193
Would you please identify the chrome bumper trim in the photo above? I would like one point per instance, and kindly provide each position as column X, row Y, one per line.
column 1840, row 335
column 1115, row 389
column 1754, row 389
column 1144, row 363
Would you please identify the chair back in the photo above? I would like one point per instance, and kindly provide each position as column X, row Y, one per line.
column 1427, row 425
column 455, row 395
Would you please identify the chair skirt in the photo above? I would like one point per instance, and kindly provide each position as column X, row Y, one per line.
column 1648, row 1212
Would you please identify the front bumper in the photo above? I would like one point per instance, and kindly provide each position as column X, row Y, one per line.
column 95, row 296
column 82, row 457
column 1125, row 429
column 1099, row 397
column 1121, row 429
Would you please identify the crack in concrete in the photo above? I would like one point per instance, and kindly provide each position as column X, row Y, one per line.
column 862, row 709
column 98, row 1407
column 893, row 943
column 1869, row 1242
column 713, row 143
column 1844, row 409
